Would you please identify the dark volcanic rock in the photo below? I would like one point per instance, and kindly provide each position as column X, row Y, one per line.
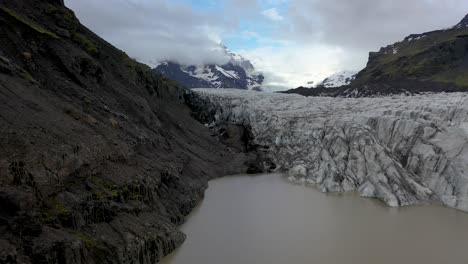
column 377, row 89
column 100, row 160
column 239, row 137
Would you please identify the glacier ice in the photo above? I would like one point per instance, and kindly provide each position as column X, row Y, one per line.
column 400, row 149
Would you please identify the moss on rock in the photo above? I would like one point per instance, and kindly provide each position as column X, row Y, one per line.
column 85, row 43
column 29, row 23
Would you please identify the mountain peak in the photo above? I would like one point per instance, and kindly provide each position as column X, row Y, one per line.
column 238, row 73
column 238, row 60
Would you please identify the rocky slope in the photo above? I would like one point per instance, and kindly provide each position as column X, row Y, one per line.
column 401, row 149
column 99, row 158
column 237, row 73
column 435, row 61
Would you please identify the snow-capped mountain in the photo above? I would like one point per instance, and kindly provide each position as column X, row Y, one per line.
column 237, row 73
column 338, row 79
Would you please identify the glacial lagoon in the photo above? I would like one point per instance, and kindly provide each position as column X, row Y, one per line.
column 267, row 220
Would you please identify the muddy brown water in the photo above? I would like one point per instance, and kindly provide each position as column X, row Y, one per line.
column 267, row 220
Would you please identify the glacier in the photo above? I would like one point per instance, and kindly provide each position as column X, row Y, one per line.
column 402, row 150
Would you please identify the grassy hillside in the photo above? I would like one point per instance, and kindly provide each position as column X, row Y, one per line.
column 439, row 56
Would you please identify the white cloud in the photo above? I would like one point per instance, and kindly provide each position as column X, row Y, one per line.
column 293, row 65
column 272, row 14
column 314, row 39
column 337, row 35
column 155, row 30
column 366, row 25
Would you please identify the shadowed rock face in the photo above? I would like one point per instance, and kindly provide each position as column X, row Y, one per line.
column 400, row 149
column 99, row 157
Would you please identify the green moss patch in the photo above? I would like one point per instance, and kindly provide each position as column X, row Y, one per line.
column 57, row 211
column 29, row 23
column 85, row 43
column 169, row 82
column 27, row 76
column 130, row 63
column 88, row 241
column 134, row 65
column 105, row 191
column 458, row 78
column 62, row 13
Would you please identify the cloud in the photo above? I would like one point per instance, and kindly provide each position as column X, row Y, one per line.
column 337, row 35
column 243, row 5
column 291, row 65
column 314, row 38
column 155, row 30
column 272, row 14
column 365, row 25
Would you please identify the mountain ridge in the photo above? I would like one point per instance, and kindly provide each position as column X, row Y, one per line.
column 237, row 73
column 435, row 61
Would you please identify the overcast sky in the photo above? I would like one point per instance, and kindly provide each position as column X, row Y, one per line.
column 291, row 41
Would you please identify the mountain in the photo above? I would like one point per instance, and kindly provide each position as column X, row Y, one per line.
column 338, row 79
column 100, row 159
column 433, row 57
column 237, row 73
column 435, row 61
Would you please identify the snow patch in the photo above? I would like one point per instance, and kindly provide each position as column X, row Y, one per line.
column 227, row 73
column 339, row 79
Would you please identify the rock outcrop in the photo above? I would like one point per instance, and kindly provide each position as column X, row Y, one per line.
column 400, row 149
column 100, row 160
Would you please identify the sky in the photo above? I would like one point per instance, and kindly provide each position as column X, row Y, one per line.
column 293, row 42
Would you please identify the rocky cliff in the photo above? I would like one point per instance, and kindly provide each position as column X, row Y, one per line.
column 401, row 150
column 100, row 160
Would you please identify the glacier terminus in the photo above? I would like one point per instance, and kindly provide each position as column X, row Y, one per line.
column 401, row 149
